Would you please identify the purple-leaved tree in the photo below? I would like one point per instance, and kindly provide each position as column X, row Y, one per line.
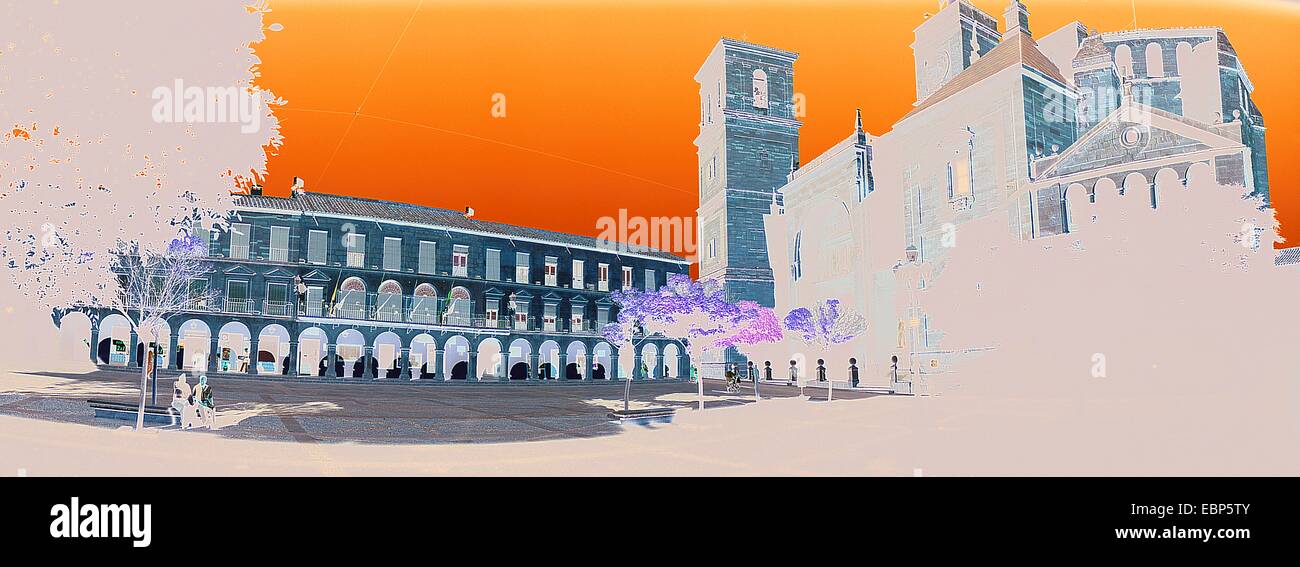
column 697, row 313
column 825, row 325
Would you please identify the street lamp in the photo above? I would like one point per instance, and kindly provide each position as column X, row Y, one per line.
column 912, row 254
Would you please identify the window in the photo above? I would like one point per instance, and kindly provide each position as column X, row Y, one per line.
column 521, row 320
column 552, row 271
column 315, row 301
column 317, row 240
column 576, row 318
column 428, row 254
column 548, row 318
column 239, row 241
column 627, row 277
column 578, row 279
column 521, row 267
column 864, row 187
column 460, row 260
column 198, row 294
column 392, row 254
column 649, row 280
column 355, row 244
column 1155, row 60
column 493, row 265
column 491, row 318
column 279, row 244
column 237, row 297
column 796, row 267
column 713, row 248
column 602, row 277
column 760, row 89
column 277, row 300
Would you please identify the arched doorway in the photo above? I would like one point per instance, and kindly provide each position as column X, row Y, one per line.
column 388, row 302
column 155, row 336
column 456, row 358
column 350, row 347
column 649, row 361
column 311, row 351
column 114, row 339
column 388, row 354
column 600, row 361
column 352, row 299
column 74, row 335
column 520, row 350
column 423, row 354
column 233, row 343
column 424, row 304
column 489, row 362
column 459, row 307
column 576, row 356
column 548, row 360
column 273, row 350
column 672, row 365
column 193, row 345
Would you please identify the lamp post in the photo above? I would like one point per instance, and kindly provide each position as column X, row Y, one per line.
column 911, row 253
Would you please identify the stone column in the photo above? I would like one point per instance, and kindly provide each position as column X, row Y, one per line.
column 405, row 364
column 252, row 355
column 532, row 366
column 213, row 354
column 471, row 364
column 172, row 339
column 94, row 343
column 659, row 366
column 434, row 366
column 293, row 359
column 331, row 370
column 636, row 366
column 611, row 373
column 369, row 367
column 130, row 351
column 564, row 366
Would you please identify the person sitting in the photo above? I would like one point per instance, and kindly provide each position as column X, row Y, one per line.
column 180, row 393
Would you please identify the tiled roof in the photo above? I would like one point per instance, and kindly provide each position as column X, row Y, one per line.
column 1287, row 256
column 326, row 204
column 1019, row 49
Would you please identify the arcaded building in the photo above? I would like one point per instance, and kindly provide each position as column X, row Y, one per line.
column 327, row 286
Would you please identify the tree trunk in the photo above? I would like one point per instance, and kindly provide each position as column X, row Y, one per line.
column 699, row 378
column 144, row 388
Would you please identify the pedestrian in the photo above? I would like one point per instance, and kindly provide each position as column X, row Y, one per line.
column 180, row 393
column 207, row 406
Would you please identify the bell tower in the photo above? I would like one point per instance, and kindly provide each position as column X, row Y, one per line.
column 747, row 145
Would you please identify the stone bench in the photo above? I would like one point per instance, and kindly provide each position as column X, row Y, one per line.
column 127, row 412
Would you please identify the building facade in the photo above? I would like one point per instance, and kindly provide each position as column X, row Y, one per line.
column 1010, row 129
column 341, row 287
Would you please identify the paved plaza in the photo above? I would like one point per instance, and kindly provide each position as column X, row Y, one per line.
column 311, row 412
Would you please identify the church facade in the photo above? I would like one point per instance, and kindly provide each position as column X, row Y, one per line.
column 1005, row 126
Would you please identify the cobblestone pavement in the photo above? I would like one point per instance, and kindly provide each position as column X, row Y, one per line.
column 310, row 412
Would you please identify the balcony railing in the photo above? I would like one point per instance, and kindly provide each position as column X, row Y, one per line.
column 392, row 308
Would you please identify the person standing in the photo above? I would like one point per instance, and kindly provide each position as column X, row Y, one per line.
column 207, row 406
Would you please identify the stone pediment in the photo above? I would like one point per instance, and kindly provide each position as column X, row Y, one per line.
column 1134, row 133
column 315, row 276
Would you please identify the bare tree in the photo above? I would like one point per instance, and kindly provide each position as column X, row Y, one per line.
column 153, row 288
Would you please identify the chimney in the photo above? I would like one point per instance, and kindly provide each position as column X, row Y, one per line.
column 298, row 188
column 469, row 212
column 255, row 189
column 1017, row 18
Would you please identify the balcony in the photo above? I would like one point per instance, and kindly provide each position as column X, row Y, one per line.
column 392, row 308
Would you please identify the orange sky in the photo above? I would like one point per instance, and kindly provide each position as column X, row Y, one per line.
column 601, row 105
